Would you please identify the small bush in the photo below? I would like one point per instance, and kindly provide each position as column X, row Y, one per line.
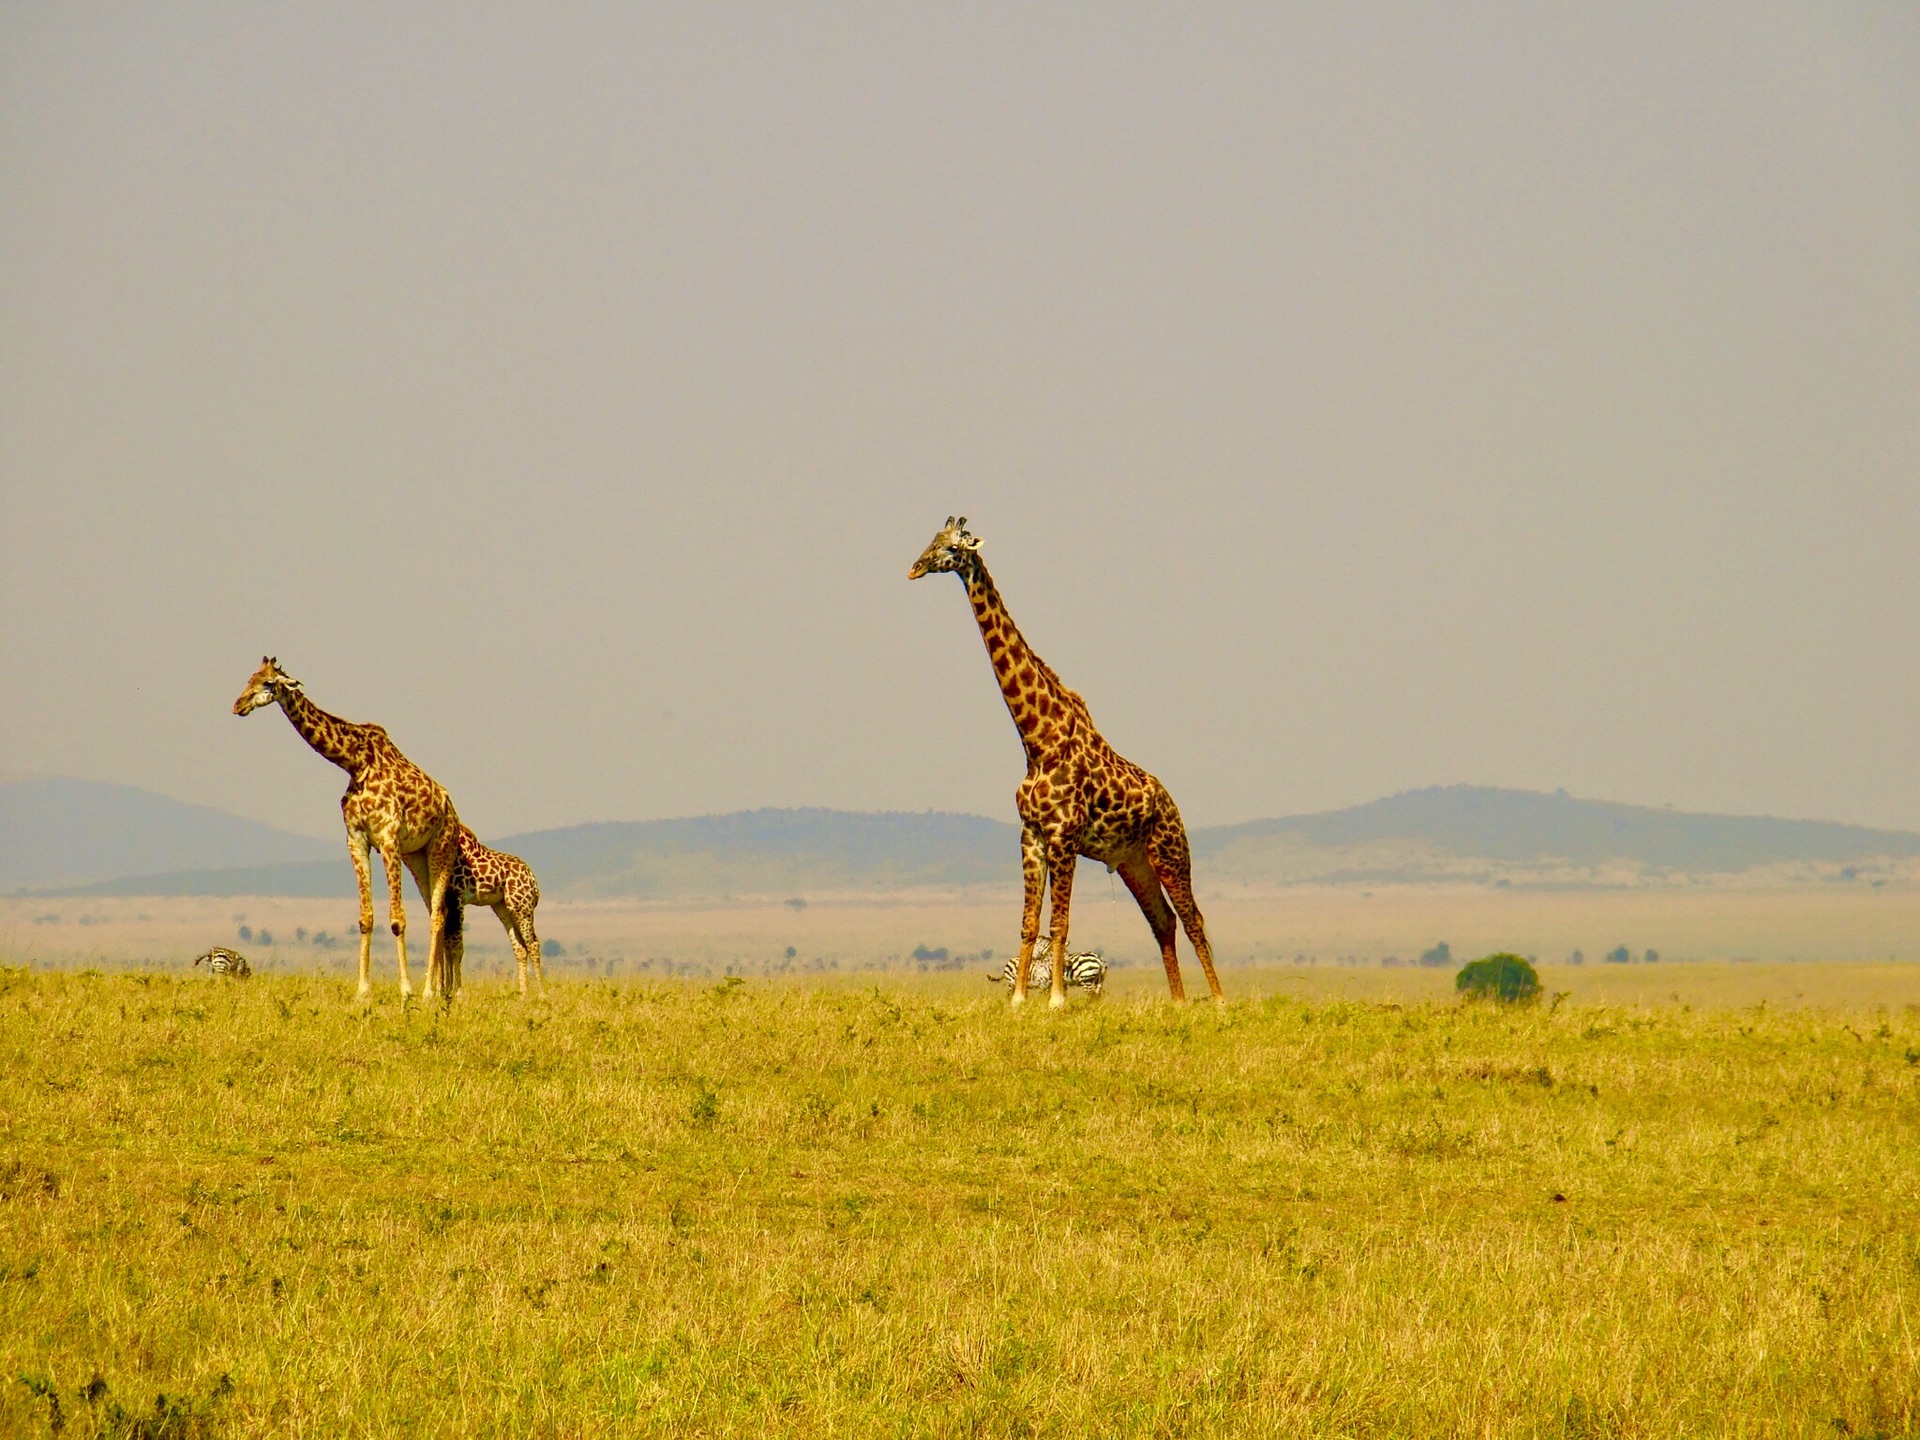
column 1503, row 977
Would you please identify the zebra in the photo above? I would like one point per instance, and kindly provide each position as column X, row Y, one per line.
column 1086, row 969
column 222, row 961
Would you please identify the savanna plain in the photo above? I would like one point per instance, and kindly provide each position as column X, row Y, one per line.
column 1672, row 1199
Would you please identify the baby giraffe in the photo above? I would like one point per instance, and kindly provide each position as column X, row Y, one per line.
column 504, row 883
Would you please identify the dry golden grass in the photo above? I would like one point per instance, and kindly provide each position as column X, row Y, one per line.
column 769, row 1208
column 1710, row 985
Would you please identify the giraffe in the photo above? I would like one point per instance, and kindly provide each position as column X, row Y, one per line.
column 503, row 882
column 391, row 805
column 1079, row 797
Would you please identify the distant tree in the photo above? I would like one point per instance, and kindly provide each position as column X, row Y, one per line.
column 1503, row 977
column 246, row 932
column 1577, row 958
column 1652, row 957
column 552, row 947
column 300, row 934
column 791, row 952
column 265, row 937
column 1440, row 954
column 1619, row 955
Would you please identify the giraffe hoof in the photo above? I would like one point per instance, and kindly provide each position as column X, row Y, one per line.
column 1018, row 1001
column 1057, row 1002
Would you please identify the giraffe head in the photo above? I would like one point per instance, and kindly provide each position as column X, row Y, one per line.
column 952, row 549
column 265, row 687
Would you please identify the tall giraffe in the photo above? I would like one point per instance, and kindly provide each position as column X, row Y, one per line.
column 1080, row 796
column 391, row 805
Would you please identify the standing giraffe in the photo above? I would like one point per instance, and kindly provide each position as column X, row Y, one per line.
column 506, row 885
column 1080, row 796
column 391, row 805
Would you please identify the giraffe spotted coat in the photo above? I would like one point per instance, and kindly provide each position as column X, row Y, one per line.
column 505, row 884
column 1080, row 796
column 391, row 805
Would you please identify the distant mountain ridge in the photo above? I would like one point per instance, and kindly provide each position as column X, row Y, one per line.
column 760, row 851
column 1450, row 832
column 73, row 832
column 751, row 852
column 1529, row 827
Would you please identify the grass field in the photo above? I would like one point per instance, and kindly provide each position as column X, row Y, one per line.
column 897, row 1209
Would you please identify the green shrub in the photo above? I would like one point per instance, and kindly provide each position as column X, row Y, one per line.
column 1502, row 977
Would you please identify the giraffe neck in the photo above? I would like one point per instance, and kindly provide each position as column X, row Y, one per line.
column 341, row 741
column 1035, row 695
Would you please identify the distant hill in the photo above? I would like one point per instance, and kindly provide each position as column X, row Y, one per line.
column 1455, row 832
column 311, row 879
column 764, row 851
column 753, row 852
column 1527, row 828
column 71, row 832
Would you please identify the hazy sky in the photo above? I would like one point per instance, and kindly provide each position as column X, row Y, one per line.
column 1351, row 398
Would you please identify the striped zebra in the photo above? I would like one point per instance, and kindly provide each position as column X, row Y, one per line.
column 1085, row 969
column 222, row 961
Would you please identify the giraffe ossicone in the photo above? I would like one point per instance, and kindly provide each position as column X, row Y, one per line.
column 1080, row 796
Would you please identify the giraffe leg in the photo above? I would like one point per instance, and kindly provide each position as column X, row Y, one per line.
column 440, row 863
column 1062, row 861
column 1145, row 886
column 505, row 915
column 363, row 873
column 455, row 940
column 531, row 939
column 1173, row 864
column 397, row 917
column 1033, row 868
column 423, row 882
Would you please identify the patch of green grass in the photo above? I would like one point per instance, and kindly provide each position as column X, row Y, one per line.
column 670, row 1210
